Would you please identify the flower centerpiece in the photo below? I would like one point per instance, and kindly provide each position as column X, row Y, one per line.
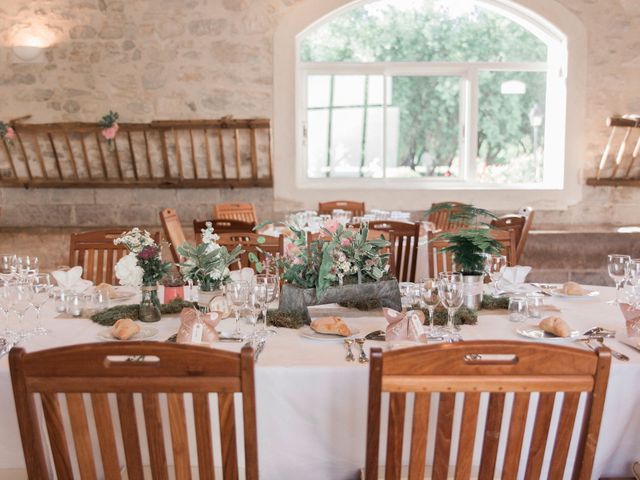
column 340, row 264
column 109, row 125
column 7, row 133
column 142, row 267
column 207, row 264
column 469, row 245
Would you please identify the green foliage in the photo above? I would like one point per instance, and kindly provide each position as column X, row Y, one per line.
column 111, row 315
column 207, row 264
column 109, row 119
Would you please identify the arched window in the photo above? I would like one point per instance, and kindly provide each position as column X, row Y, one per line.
column 459, row 93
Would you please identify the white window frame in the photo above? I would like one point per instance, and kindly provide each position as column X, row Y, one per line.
column 555, row 108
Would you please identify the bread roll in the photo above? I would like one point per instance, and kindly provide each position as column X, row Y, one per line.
column 331, row 325
column 107, row 290
column 573, row 288
column 555, row 326
column 125, row 328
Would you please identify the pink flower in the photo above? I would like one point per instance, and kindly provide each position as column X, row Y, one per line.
column 346, row 242
column 331, row 225
column 110, row 132
column 11, row 134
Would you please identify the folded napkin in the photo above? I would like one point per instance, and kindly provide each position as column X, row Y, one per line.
column 403, row 326
column 197, row 327
column 244, row 274
column 71, row 279
column 513, row 276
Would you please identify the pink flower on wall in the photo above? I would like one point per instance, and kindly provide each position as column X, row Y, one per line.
column 109, row 125
column 110, row 132
column 11, row 134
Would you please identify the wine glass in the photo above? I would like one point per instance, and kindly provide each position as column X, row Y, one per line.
column 6, row 262
column 633, row 273
column 407, row 293
column 617, row 267
column 451, row 293
column 5, row 306
column 20, row 302
column 237, row 294
column 266, row 289
column 40, row 286
column 429, row 296
column 493, row 265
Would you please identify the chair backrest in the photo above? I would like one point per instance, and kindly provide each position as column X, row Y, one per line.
column 252, row 243
column 245, row 212
column 521, row 225
column 356, row 208
column 172, row 231
column 222, row 226
column 440, row 261
column 404, row 238
column 100, row 376
column 95, row 252
column 487, row 383
column 442, row 218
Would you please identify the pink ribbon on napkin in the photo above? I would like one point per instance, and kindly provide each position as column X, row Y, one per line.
column 403, row 326
column 189, row 318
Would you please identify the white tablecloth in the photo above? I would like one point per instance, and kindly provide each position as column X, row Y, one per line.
column 312, row 403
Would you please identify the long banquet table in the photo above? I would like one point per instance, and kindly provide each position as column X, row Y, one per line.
column 312, row 403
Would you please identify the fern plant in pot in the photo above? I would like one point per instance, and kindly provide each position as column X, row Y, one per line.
column 469, row 245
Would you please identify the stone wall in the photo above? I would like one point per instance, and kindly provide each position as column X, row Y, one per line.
column 168, row 59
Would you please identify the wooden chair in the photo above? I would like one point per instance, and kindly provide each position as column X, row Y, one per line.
column 404, row 237
column 223, row 226
column 442, row 218
column 440, row 261
column 95, row 252
column 356, row 208
column 520, row 225
column 172, row 231
column 503, row 370
column 97, row 376
column 245, row 212
column 250, row 244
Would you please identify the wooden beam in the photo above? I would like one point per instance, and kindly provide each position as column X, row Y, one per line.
column 613, row 182
column 141, row 183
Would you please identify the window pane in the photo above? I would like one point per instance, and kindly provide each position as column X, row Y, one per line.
column 423, row 127
column 421, row 31
column 511, row 127
column 344, row 134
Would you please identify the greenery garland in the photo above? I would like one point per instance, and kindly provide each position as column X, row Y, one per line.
column 111, row 315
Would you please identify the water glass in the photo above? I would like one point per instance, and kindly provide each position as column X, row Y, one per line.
column 41, row 286
column 430, row 298
column 493, row 265
column 617, row 268
column 266, row 289
column 237, row 294
column 535, row 305
column 517, row 309
column 75, row 302
column 451, row 294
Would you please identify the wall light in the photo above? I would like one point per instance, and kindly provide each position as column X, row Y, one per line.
column 29, row 44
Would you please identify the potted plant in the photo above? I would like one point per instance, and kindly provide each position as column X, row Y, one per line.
column 340, row 264
column 469, row 245
column 207, row 265
column 142, row 267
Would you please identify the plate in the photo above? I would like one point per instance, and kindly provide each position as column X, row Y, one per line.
column 535, row 333
column 146, row 332
column 557, row 292
column 308, row 332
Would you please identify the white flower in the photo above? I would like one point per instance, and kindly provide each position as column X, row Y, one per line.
column 128, row 272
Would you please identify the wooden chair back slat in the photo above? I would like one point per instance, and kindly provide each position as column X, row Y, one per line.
column 251, row 243
column 442, row 218
column 101, row 369
column 172, row 231
column 404, row 238
column 81, row 436
column 501, row 369
column 95, row 252
column 521, row 225
column 222, row 226
column 106, row 436
column 245, row 212
column 356, row 208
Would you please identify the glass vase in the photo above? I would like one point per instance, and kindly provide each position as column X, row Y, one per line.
column 150, row 304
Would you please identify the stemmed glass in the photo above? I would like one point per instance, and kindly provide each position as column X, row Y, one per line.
column 451, row 293
column 429, row 296
column 617, row 266
column 5, row 306
column 633, row 271
column 407, row 295
column 266, row 289
column 6, row 263
column 493, row 265
column 20, row 301
column 237, row 295
column 40, row 286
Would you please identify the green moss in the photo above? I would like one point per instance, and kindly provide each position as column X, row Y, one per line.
column 111, row 315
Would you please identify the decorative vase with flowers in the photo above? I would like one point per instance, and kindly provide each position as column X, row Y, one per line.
column 142, row 267
column 207, row 265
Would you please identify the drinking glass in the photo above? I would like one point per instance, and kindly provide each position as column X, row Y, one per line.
column 451, row 293
column 5, row 306
column 493, row 265
column 633, row 271
column 535, row 305
column 253, row 308
column 6, row 262
column 20, row 301
column 617, row 267
column 429, row 296
column 517, row 309
column 40, row 286
column 237, row 294
column 407, row 295
column 266, row 289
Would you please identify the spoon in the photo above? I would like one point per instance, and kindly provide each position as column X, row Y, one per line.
column 599, row 332
column 350, row 357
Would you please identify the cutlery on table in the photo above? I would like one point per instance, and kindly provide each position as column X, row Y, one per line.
column 261, row 343
column 363, row 355
column 600, row 340
column 600, row 332
column 379, row 335
column 350, row 357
